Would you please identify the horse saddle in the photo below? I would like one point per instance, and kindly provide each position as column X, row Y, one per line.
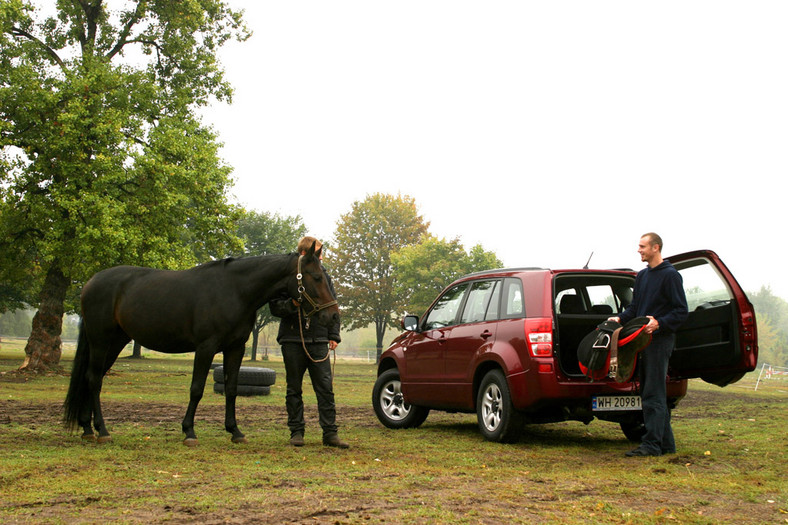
column 631, row 340
column 611, row 350
column 594, row 352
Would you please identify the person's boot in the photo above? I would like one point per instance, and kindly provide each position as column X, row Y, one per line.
column 297, row 440
column 333, row 440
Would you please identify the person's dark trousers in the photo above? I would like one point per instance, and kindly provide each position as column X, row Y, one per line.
column 296, row 364
column 658, row 438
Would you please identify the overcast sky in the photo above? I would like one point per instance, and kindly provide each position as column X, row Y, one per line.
column 543, row 131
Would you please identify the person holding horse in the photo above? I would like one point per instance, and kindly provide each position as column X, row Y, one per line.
column 305, row 347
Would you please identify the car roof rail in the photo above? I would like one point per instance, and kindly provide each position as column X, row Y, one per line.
column 499, row 270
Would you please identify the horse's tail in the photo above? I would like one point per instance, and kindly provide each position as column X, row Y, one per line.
column 78, row 393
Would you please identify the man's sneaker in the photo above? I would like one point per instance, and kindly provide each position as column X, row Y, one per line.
column 297, row 440
column 334, row 441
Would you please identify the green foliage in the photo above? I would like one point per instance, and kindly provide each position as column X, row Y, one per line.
column 361, row 262
column 423, row 270
column 772, row 316
column 103, row 159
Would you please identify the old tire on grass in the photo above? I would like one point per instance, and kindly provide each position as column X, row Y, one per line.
column 244, row 390
column 389, row 405
column 248, row 375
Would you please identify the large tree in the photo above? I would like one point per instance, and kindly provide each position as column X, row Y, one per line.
column 103, row 157
column 361, row 260
column 264, row 234
column 423, row 270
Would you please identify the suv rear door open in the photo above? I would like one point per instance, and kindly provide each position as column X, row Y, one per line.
column 718, row 342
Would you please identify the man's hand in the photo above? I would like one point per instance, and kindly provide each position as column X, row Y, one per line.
column 616, row 319
column 332, row 345
column 652, row 326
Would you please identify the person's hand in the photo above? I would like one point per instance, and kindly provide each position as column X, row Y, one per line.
column 332, row 345
column 616, row 319
column 652, row 326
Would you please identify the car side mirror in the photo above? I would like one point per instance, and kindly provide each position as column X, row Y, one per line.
column 410, row 323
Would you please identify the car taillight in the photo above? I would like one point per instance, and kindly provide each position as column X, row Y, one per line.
column 539, row 334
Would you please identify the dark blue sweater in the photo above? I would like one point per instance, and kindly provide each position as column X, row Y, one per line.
column 659, row 292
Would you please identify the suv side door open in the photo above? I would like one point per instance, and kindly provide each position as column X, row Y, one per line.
column 718, row 342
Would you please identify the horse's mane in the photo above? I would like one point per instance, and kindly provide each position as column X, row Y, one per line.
column 232, row 261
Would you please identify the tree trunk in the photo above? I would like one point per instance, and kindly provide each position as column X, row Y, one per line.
column 255, row 337
column 44, row 346
column 136, row 351
column 380, row 332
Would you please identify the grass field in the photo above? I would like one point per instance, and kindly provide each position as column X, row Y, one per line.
column 730, row 466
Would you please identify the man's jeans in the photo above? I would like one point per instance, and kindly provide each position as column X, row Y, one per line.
column 656, row 414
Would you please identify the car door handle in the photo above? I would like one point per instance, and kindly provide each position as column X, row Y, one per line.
column 486, row 334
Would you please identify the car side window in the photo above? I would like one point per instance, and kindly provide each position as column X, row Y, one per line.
column 495, row 303
column 444, row 312
column 513, row 303
column 478, row 301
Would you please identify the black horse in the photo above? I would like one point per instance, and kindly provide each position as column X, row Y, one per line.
column 206, row 310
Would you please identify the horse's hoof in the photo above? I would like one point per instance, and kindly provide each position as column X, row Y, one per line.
column 190, row 442
column 88, row 437
column 241, row 439
column 103, row 439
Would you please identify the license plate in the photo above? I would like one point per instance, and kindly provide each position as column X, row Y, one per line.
column 612, row 403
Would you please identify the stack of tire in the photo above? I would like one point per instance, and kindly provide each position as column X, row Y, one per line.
column 252, row 381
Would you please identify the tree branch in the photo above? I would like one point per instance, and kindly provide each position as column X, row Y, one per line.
column 16, row 32
column 124, row 34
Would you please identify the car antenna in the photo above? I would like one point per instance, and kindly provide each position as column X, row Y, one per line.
column 588, row 261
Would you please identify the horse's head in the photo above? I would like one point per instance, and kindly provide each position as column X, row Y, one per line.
column 313, row 291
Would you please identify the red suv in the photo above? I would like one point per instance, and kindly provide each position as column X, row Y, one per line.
column 503, row 344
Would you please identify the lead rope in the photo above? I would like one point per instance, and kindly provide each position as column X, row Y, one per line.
column 303, row 345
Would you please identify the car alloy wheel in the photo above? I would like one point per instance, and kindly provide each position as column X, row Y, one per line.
column 491, row 407
column 390, row 405
column 392, row 402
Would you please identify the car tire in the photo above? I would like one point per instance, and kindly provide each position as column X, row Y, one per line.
column 390, row 407
column 248, row 375
column 244, row 390
column 634, row 429
column 498, row 419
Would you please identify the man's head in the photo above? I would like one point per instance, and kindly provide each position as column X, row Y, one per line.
column 650, row 249
column 306, row 242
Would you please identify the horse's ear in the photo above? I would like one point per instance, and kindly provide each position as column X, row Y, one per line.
column 319, row 252
column 311, row 252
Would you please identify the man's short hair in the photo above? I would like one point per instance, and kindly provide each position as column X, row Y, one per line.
column 654, row 239
column 306, row 242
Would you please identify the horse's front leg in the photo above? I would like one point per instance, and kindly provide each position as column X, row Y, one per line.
column 232, row 364
column 202, row 365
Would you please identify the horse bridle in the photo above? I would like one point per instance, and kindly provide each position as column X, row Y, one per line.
column 316, row 307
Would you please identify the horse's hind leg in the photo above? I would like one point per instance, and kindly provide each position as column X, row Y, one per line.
column 232, row 364
column 99, row 366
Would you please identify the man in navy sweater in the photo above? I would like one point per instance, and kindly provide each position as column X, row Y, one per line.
column 659, row 296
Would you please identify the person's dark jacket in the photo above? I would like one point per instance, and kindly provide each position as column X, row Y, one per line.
column 286, row 309
column 659, row 292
